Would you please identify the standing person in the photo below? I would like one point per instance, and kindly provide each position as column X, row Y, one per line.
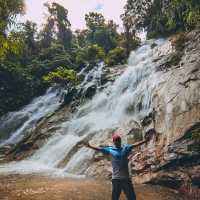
column 121, row 180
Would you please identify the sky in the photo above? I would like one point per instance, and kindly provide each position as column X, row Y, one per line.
column 111, row 9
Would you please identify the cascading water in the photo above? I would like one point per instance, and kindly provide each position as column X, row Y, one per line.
column 16, row 125
column 92, row 77
column 128, row 98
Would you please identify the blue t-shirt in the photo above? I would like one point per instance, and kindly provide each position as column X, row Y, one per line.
column 119, row 157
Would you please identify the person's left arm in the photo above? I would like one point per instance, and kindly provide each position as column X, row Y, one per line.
column 137, row 144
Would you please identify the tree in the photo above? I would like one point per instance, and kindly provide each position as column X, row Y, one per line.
column 116, row 56
column 134, row 12
column 104, row 39
column 183, row 14
column 47, row 34
column 100, row 32
column 81, row 37
column 59, row 23
column 132, row 18
column 161, row 17
column 8, row 13
column 64, row 32
column 94, row 21
column 29, row 34
column 90, row 55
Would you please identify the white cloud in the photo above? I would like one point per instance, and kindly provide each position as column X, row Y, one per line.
column 111, row 9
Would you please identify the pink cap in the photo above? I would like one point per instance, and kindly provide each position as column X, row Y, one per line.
column 116, row 136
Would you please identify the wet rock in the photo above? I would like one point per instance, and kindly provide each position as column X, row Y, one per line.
column 135, row 135
column 153, row 45
column 90, row 92
column 111, row 73
column 172, row 60
column 69, row 95
column 10, row 123
column 45, row 128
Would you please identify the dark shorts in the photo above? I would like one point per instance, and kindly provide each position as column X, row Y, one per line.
column 125, row 185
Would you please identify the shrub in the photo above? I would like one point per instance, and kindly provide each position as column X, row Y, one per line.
column 116, row 56
column 91, row 55
column 61, row 76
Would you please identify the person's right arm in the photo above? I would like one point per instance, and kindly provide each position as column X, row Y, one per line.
column 93, row 147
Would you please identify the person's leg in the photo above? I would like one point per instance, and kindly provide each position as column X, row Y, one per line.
column 116, row 189
column 128, row 189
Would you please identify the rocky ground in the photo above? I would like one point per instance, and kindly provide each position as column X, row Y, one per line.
column 43, row 188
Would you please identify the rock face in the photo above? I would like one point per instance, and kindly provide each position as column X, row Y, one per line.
column 172, row 157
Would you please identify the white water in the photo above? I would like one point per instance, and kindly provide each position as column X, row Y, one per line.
column 27, row 118
column 92, row 77
column 128, row 98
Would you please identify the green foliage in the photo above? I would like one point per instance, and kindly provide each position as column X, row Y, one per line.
column 61, row 19
column 17, row 86
column 47, row 34
column 11, row 44
column 183, row 14
column 81, row 38
column 57, row 25
column 116, row 56
column 29, row 33
column 61, row 76
column 104, row 38
column 90, row 55
column 8, row 12
column 31, row 60
column 94, row 20
column 101, row 32
column 162, row 17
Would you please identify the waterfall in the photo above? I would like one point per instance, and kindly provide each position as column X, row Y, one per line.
column 128, row 98
column 16, row 125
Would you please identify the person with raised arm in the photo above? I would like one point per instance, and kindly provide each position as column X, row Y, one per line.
column 121, row 180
